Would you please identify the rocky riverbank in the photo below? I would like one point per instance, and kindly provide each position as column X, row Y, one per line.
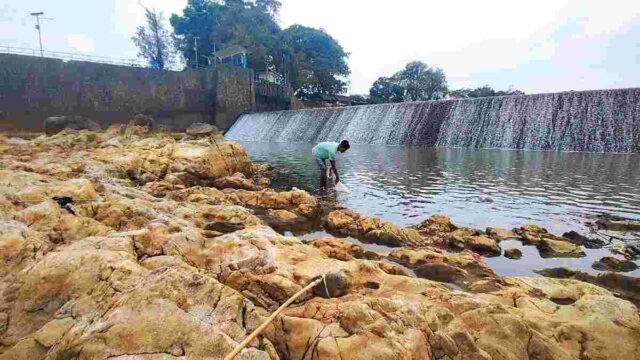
column 170, row 251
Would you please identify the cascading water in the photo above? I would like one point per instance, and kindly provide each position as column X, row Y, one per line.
column 598, row 121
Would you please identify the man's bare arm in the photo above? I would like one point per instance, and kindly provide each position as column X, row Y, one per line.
column 335, row 171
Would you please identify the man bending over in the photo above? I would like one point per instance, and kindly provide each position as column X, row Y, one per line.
column 327, row 151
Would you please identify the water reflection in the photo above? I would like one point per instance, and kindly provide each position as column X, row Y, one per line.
column 475, row 187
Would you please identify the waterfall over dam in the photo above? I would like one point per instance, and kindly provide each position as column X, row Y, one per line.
column 595, row 121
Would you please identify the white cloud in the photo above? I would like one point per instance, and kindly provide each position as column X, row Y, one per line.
column 465, row 38
column 129, row 14
column 79, row 43
column 546, row 45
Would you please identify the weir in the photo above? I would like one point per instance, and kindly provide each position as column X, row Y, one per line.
column 594, row 121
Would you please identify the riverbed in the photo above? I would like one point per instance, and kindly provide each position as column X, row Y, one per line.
column 561, row 191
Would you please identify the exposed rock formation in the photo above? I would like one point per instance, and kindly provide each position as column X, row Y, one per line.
column 609, row 263
column 548, row 245
column 513, row 253
column 156, row 264
column 55, row 124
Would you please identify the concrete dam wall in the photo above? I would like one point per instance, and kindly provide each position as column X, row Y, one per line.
column 594, row 121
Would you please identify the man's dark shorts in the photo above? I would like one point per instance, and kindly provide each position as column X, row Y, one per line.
column 322, row 165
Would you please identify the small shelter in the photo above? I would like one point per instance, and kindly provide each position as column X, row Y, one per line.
column 232, row 55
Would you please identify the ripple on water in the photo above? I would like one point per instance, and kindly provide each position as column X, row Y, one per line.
column 407, row 184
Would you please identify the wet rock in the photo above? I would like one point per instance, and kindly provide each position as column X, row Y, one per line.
column 333, row 285
column 236, row 181
column 479, row 243
column 284, row 220
column 472, row 266
column 371, row 230
column 143, row 120
column 500, row 234
column 344, row 250
column 201, row 129
column 441, row 273
column 558, row 273
column 622, row 286
column 513, row 253
column 439, row 231
column 578, row 239
column 437, row 227
column 296, row 201
column 55, row 124
column 548, row 245
column 631, row 251
column 557, row 248
column 609, row 263
column 615, row 223
column 224, row 226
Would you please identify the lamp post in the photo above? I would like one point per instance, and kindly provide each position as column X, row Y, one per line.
column 37, row 15
column 195, row 48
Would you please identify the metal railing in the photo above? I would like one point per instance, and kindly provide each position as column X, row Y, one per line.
column 78, row 57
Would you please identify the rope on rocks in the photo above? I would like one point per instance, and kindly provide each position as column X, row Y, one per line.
column 260, row 328
column 221, row 154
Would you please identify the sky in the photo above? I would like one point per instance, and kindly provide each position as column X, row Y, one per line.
column 534, row 46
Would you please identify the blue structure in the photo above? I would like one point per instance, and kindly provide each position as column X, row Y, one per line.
column 232, row 55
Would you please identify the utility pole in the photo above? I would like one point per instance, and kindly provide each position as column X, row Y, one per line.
column 195, row 48
column 37, row 15
column 214, row 55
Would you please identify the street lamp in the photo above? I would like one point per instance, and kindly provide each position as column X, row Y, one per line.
column 37, row 15
column 195, row 48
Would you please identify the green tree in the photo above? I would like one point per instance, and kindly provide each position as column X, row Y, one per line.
column 358, row 99
column 416, row 82
column 483, row 91
column 421, row 82
column 460, row 93
column 318, row 62
column 154, row 41
column 386, row 90
column 310, row 59
column 250, row 24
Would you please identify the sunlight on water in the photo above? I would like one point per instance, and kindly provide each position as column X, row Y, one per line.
column 474, row 187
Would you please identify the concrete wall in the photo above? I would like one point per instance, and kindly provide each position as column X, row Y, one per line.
column 234, row 94
column 34, row 88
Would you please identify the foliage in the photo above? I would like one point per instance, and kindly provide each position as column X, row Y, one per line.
column 310, row 58
column 358, row 99
column 154, row 41
column 215, row 25
column 416, row 82
column 422, row 82
column 484, row 91
column 386, row 90
column 318, row 61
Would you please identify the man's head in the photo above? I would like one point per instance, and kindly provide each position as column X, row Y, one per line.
column 344, row 146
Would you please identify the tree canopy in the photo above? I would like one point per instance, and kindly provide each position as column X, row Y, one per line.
column 419, row 82
column 483, row 91
column 318, row 61
column 154, row 41
column 214, row 25
column 416, row 82
column 310, row 58
column 386, row 90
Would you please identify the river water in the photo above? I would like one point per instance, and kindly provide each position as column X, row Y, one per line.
column 475, row 187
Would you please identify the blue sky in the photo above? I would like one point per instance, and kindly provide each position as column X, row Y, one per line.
column 535, row 46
